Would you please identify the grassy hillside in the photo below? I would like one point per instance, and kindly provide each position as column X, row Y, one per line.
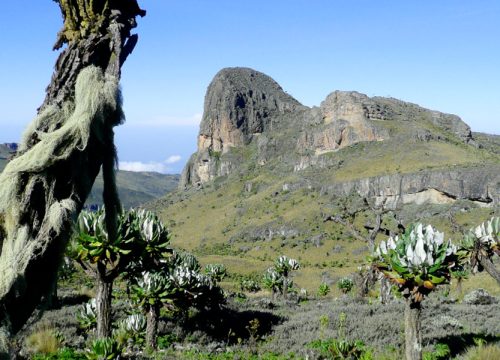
column 136, row 188
column 249, row 218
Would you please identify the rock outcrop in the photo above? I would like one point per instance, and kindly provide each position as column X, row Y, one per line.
column 239, row 104
column 249, row 121
column 436, row 187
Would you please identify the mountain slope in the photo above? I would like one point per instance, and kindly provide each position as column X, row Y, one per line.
column 135, row 188
column 270, row 173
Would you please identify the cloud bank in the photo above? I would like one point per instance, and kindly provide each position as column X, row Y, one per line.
column 152, row 166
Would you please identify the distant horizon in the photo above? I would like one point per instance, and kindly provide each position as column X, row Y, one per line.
column 441, row 56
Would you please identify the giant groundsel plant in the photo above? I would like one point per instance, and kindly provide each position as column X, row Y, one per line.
column 480, row 244
column 416, row 261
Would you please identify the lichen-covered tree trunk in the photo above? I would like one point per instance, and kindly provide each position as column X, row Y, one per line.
column 152, row 325
column 44, row 188
column 413, row 336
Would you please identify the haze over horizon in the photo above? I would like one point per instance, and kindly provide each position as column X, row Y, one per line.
column 442, row 56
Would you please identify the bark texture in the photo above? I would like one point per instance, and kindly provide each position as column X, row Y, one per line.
column 490, row 268
column 43, row 198
column 103, row 307
column 413, row 335
column 152, row 325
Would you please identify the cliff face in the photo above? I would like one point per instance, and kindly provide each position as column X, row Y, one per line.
column 249, row 121
column 239, row 104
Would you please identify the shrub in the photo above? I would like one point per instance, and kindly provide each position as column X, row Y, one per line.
column 323, row 289
column 62, row 354
column 345, row 285
column 249, row 285
column 440, row 352
column 341, row 349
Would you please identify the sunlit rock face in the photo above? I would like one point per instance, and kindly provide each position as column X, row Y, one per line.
column 249, row 120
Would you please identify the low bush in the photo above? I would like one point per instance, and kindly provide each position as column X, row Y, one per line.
column 323, row 290
column 341, row 349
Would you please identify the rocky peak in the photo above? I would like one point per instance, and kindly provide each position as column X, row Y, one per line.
column 240, row 102
column 245, row 107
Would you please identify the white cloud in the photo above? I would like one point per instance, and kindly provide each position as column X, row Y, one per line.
column 152, row 166
column 173, row 159
column 160, row 121
column 142, row 166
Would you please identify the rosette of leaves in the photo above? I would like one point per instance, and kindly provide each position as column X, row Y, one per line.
column 135, row 323
column 345, row 285
column 283, row 265
column 87, row 315
column 185, row 260
column 155, row 236
column 151, row 248
column 249, row 285
column 93, row 244
column 216, row 272
column 272, row 280
column 417, row 260
column 152, row 289
column 104, row 349
column 131, row 330
column 479, row 245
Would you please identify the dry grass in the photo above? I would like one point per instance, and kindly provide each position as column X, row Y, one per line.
column 43, row 340
column 484, row 352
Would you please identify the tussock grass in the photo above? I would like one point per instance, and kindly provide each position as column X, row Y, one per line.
column 44, row 340
column 483, row 352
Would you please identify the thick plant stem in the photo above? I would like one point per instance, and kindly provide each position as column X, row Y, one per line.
column 42, row 199
column 103, row 306
column 488, row 265
column 413, row 336
column 152, row 325
column 285, row 287
column 385, row 290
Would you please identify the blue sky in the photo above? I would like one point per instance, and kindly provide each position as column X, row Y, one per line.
column 444, row 55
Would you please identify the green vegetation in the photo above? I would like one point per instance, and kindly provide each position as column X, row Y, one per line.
column 135, row 188
column 345, row 285
column 323, row 290
column 277, row 278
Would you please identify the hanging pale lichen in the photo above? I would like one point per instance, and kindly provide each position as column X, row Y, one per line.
column 45, row 186
column 96, row 109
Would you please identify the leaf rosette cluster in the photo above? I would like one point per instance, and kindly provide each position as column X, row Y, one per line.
column 417, row 261
column 483, row 240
